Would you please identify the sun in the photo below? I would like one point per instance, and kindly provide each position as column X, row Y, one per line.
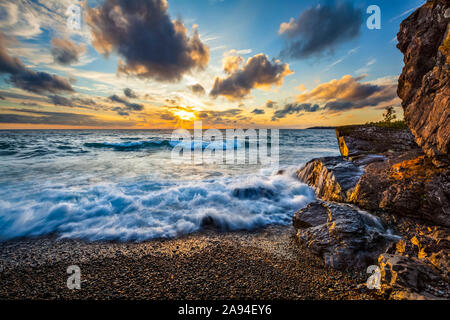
column 184, row 115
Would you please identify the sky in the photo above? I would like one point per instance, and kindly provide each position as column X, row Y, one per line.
column 157, row 64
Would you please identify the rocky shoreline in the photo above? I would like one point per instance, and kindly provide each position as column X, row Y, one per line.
column 373, row 211
column 400, row 178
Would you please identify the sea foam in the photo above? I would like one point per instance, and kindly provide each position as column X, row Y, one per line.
column 142, row 210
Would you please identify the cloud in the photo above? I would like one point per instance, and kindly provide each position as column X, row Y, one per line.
column 27, row 79
column 151, row 44
column 346, row 88
column 231, row 63
column 258, row 72
column 258, row 111
column 58, row 118
column 78, row 102
column 61, row 101
column 121, row 111
column 318, row 30
column 271, row 104
column 292, row 108
column 129, row 105
column 366, row 68
column 66, row 52
column 349, row 93
column 129, row 93
column 213, row 115
column 197, row 89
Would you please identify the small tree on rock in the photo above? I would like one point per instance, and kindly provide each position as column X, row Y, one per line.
column 389, row 114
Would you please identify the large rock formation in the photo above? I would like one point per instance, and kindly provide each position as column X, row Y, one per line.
column 406, row 184
column 424, row 85
column 395, row 177
column 402, row 177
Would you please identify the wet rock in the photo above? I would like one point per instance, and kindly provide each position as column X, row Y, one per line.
column 423, row 86
column 333, row 178
column 404, row 277
column 343, row 235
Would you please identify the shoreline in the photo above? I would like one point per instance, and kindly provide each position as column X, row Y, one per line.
column 261, row 264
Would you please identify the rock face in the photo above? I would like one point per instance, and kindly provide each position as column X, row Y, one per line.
column 333, row 178
column 401, row 175
column 399, row 178
column 424, row 85
column 343, row 235
column 408, row 185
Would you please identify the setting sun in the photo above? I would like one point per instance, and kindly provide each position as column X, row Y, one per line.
column 184, row 115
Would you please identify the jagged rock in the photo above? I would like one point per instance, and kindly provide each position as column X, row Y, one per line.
column 410, row 278
column 343, row 235
column 370, row 139
column 333, row 178
column 405, row 185
column 424, row 85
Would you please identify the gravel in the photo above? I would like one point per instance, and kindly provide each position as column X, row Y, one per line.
column 263, row 264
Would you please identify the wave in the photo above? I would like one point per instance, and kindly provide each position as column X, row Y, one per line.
column 129, row 145
column 142, row 210
column 139, row 145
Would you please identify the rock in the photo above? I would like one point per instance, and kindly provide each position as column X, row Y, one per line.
column 333, row 178
column 313, row 215
column 405, row 185
column 404, row 277
column 423, row 85
column 428, row 244
column 342, row 235
column 401, row 180
column 370, row 139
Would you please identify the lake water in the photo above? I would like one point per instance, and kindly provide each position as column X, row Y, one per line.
column 123, row 185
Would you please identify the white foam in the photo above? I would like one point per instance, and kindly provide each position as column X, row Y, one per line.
column 142, row 210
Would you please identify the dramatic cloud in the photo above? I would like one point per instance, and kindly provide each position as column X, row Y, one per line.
column 349, row 93
column 197, row 89
column 258, row 72
column 346, row 88
column 292, row 108
column 129, row 93
column 27, row 79
column 318, row 30
column 65, row 51
column 58, row 118
column 258, row 111
column 151, row 44
column 129, row 105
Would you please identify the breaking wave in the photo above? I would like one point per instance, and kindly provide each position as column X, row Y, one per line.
column 142, row 210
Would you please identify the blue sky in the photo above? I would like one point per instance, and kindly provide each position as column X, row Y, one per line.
column 248, row 31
